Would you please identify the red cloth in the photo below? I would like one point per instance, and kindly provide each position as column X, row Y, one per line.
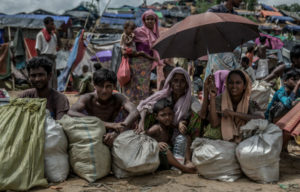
column 46, row 34
column 30, row 48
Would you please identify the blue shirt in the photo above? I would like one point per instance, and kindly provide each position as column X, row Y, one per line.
column 282, row 96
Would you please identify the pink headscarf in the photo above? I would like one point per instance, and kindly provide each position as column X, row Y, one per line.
column 183, row 104
column 147, row 36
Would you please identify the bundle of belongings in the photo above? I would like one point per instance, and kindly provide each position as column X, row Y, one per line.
column 257, row 155
column 89, row 156
column 134, row 154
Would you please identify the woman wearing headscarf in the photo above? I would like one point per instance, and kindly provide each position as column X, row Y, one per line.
column 233, row 108
column 139, row 86
column 177, row 89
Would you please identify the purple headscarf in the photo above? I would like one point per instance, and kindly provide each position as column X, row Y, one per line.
column 220, row 80
column 183, row 104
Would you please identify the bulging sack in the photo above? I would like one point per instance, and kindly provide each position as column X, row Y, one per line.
column 56, row 155
column 89, row 157
column 134, row 154
column 260, row 93
column 259, row 154
column 215, row 159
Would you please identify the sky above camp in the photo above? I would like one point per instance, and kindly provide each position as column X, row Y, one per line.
column 59, row 6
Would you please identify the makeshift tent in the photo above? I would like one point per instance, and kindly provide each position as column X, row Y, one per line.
column 30, row 48
column 292, row 28
column 270, row 13
column 5, row 66
column 294, row 15
column 268, row 8
column 102, row 56
column 32, row 21
column 19, row 50
column 280, row 19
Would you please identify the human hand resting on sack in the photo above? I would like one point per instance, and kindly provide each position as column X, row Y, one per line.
column 163, row 146
column 182, row 127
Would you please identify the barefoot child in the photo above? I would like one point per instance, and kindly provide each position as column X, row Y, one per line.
column 127, row 43
column 162, row 133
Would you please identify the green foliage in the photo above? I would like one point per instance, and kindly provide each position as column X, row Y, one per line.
column 250, row 4
column 90, row 5
column 293, row 7
column 203, row 5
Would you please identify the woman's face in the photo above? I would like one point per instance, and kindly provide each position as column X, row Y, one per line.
column 178, row 84
column 236, row 85
column 150, row 21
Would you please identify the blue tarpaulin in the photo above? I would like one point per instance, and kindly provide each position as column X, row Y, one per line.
column 292, row 28
column 267, row 7
column 281, row 19
column 40, row 17
column 123, row 16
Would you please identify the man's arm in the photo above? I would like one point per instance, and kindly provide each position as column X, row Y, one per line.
column 275, row 73
column 77, row 108
column 38, row 44
column 131, row 108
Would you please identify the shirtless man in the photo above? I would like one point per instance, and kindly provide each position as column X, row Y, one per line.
column 105, row 105
column 295, row 59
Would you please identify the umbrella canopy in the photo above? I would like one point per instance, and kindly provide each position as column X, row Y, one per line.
column 102, row 56
column 205, row 33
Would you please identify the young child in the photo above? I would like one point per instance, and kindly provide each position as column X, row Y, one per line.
column 250, row 54
column 162, row 133
column 248, row 69
column 127, row 43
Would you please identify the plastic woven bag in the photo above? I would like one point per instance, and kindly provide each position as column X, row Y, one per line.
column 215, row 159
column 56, row 155
column 261, row 94
column 22, row 144
column 123, row 74
column 134, row 154
column 259, row 154
column 89, row 156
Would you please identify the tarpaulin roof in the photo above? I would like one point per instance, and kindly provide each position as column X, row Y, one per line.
column 124, row 16
column 270, row 13
column 113, row 21
column 40, row 17
column 268, row 8
column 292, row 28
column 291, row 14
column 281, row 19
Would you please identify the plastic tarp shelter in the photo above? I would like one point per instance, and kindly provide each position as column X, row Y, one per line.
column 292, row 28
column 31, row 21
column 270, row 13
column 268, row 8
column 281, row 19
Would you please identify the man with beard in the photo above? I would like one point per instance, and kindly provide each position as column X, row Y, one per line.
column 106, row 105
column 226, row 7
column 39, row 70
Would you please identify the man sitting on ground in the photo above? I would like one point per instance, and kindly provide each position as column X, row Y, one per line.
column 105, row 105
column 295, row 59
column 39, row 70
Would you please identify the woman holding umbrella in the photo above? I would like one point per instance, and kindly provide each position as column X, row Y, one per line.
column 138, row 87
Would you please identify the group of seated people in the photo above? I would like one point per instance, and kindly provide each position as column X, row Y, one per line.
column 169, row 112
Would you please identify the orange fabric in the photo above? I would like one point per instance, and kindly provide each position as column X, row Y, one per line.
column 230, row 126
column 270, row 13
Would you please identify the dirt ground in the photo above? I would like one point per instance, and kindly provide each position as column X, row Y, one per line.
column 172, row 181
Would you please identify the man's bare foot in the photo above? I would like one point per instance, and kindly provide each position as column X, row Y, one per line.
column 190, row 164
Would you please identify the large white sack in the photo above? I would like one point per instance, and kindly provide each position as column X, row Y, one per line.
column 134, row 154
column 259, row 154
column 215, row 159
column 89, row 156
column 56, row 155
column 262, row 68
column 260, row 93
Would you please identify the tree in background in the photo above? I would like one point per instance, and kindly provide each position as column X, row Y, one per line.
column 293, row 7
column 203, row 5
column 250, row 4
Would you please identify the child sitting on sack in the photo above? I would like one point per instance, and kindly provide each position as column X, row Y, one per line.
column 162, row 132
